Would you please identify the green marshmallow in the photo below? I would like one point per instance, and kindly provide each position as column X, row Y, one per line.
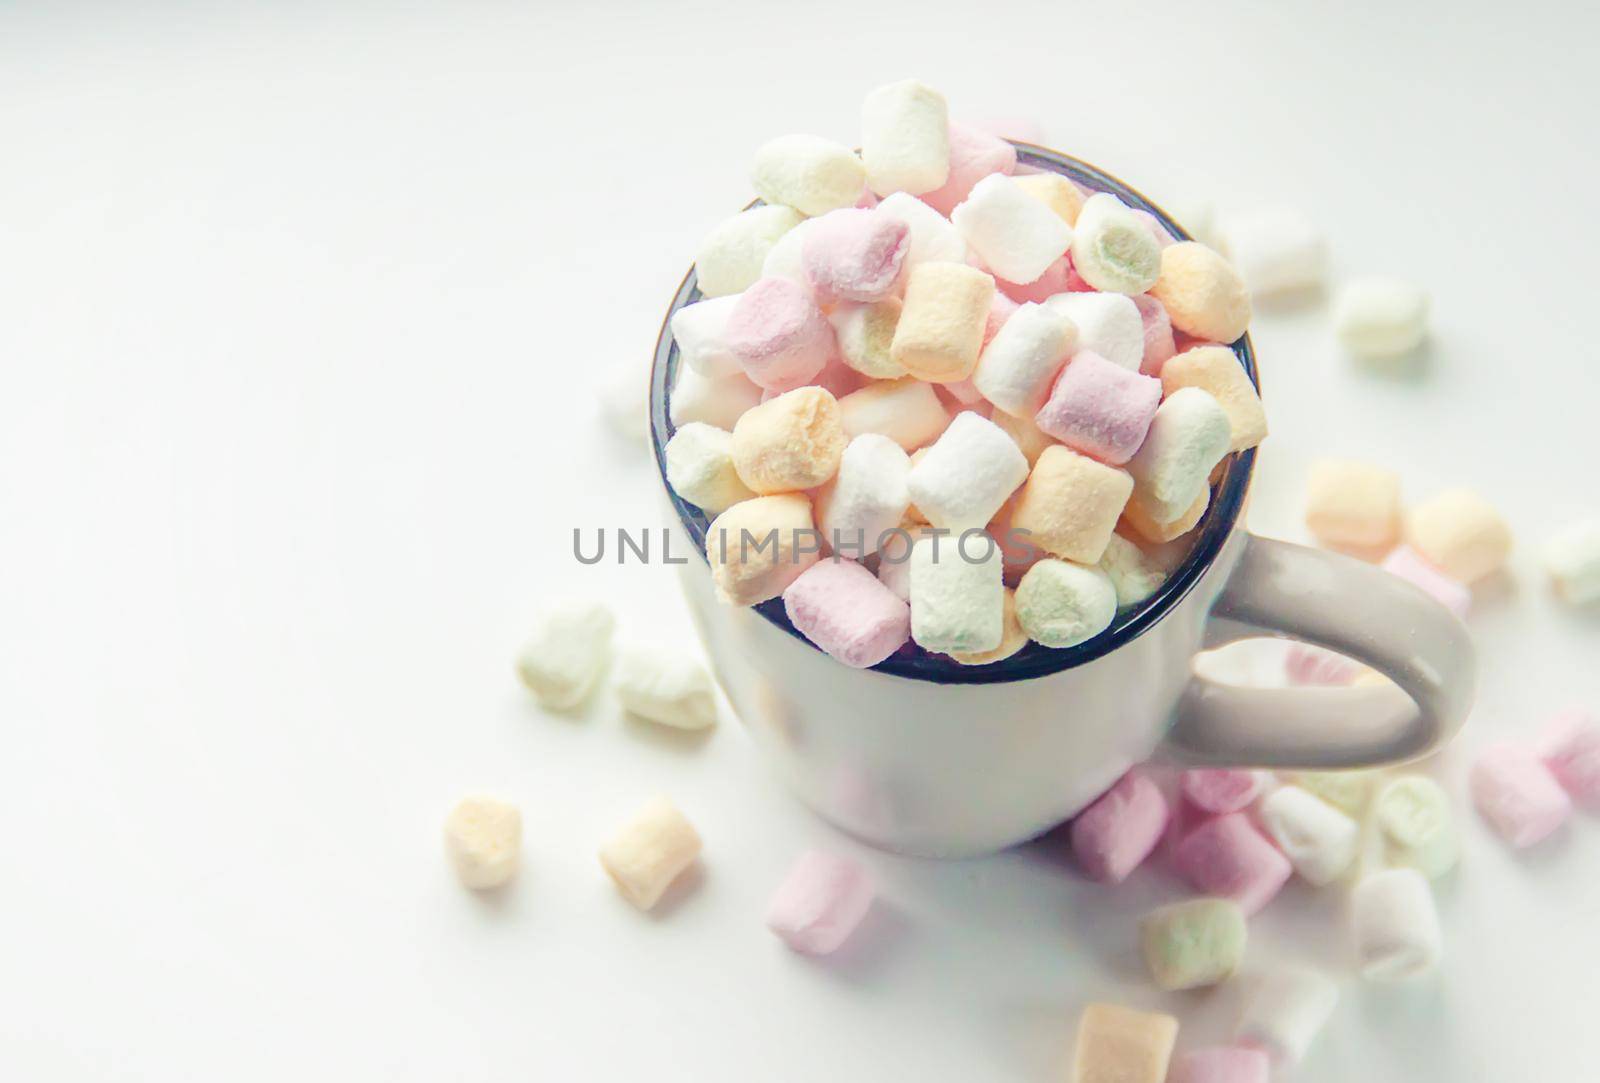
column 1194, row 943
column 1413, row 814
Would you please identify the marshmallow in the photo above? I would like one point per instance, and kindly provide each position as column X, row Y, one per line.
column 1057, row 278
column 974, row 155
column 1188, row 436
column 1222, row 1064
column 1416, row 825
column 624, row 399
column 1319, row 840
column 786, row 259
column 1570, row 749
column 864, row 332
column 700, row 468
column 941, row 326
column 664, row 686
column 792, row 442
column 894, row 558
column 1113, row 836
column 1217, row 369
column 820, row 903
column 1029, row 438
column 933, row 238
column 1348, row 791
column 811, row 174
column 1394, row 925
column 1159, row 346
column 1108, row 324
column 729, row 259
column 650, row 852
column 867, row 497
column 698, row 331
column 718, row 403
column 1112, row 248
column 1012, row 638
column 1015, row 235
column 855, row 255
column 1143, row 522
column 1277, row 250
column 1016, row 368
column 1288, row 1010
column 1229, row 858
column 564, row 657
column 1134, row 574
column 842, row 608
column 1120, row 1045
column 1192, row 944
column 779, row 335
column 1353, row 504
column 1405, row 563
column 1379, row 319
column 1100, row 408
column 1219, row 790
column 1572, row 560
column 905, row 138
column 1070, row 504
column 483, row 839
column 1202, row 293
column 1517, row 795
column 1061, row 604
column 1304, row 663
column 1461, row 534
column 1054, row 191
column 957, row 598
column 758, row 547
column 907, row 411
column 967, row 474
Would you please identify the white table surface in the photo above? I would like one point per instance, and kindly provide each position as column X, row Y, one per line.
column 301, row 307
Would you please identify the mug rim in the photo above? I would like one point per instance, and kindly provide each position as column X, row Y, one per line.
column 1034, row 660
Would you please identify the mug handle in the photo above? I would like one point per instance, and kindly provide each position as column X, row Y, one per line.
column 1290, row 591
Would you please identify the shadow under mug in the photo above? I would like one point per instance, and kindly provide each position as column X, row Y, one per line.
column 924, row 756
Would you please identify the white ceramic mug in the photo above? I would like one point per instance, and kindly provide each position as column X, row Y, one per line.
column 924, row 756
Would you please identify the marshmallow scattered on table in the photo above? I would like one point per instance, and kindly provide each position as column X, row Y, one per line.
column 864, row 332
column 698, row 329
column 1570, row 748
column 700, row 468
column 1416, row 825
column 1220, row 790
column 1217, row 370
column 1054, row 191
column 1227, row 857
column 1015, row 235
column 792, row 442
column 867, row 497
column 1276, row 250
column 1517, row 795
column 932, row 239
column 1012, row 637
column 758, row 547
column 1061, row 604
column 778, row 334
column 1461, row 534
column 1353, row 504
column 907, row 411
column 942, row 321
column 1112, row 248
column 1222, row 1064
column 1319, row 840
column 1286, row 1013
column 1572, row 560
column 1192, row 944
column 564, row 657
column 855, row 255
column 1114, row 835
column 1202, row 293
column 717, row 402
column 1108, row 324
column 820, row 903
column 1379, row 319
column 1135, row 575
column 729, row 259
column 1121, row 1045
column 811, row 174
column 1070, row 504
column 1100, row 408
column 650, row 852
column 1188, row 437
column 905, row 138
column 483, row 839
column 967, row 474
column 665, row 686
column 1016, row 368
column 974, row 155
column 1394, row 925
column 957, row 594
column 843, row 608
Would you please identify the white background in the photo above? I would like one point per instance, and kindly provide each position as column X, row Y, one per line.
column 300, row 312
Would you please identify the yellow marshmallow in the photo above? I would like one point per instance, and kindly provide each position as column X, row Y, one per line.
column 1120, row 1045
column 1031, row 439
column 906, row 411
column 1147, row 527
column 1461, row 534
column 650, row 852
column 1203, row 295
column 483, row 837
column 940, row 332
column 758, row 547
column 1070, row 504
column 789, row 443
column 1217, row 369
column 1353, row 504
column 1055, row 192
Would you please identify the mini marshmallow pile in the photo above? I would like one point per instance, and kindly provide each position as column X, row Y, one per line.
column 987, row 397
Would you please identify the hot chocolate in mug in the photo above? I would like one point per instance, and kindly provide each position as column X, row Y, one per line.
column 925, row 756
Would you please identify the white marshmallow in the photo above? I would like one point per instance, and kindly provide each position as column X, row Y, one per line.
column 864, row 332
column 1381, row 318
column 1288, row 1010
column 697, row 329
column 786, row 258
column 811, row 174
column 894, row 559
column 1319, row 840
column 1062, row 604
column 720, row 403
column 1108, row 324
column 1113, row 249
column 1572, row 559
column 624, row 398
column 868, row 496
column 932, row 238
column 566, row 653
column 1276, row 250
column 907, row 411
column 1394, row 925
column 957, row 597
column 1416, row 825
column 1015, row 371
column 650, row 852
column 729, row 259
column 967, row 474
column 905, row 138
column 1189, row 436
column 1134, row 574
column 483, row 839
column 700, row 468
column 665, row 686
column 1015, row 235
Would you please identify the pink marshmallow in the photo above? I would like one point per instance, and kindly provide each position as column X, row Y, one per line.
column 1222, row 1064
column 847, row 612
column 1057, row 278
column 974, row 154
column 1227, row 857
column 1000, row 310
column 1570, row 748
column 1158, row 342
column 779, row 335
column 1114, row 835
column 1409, row 565
column 1307, row 664
column 836, row 377
column 1220, row 790
column 820, row 903
column 1100, row 408
column 854, row 255
column 1517, row 794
